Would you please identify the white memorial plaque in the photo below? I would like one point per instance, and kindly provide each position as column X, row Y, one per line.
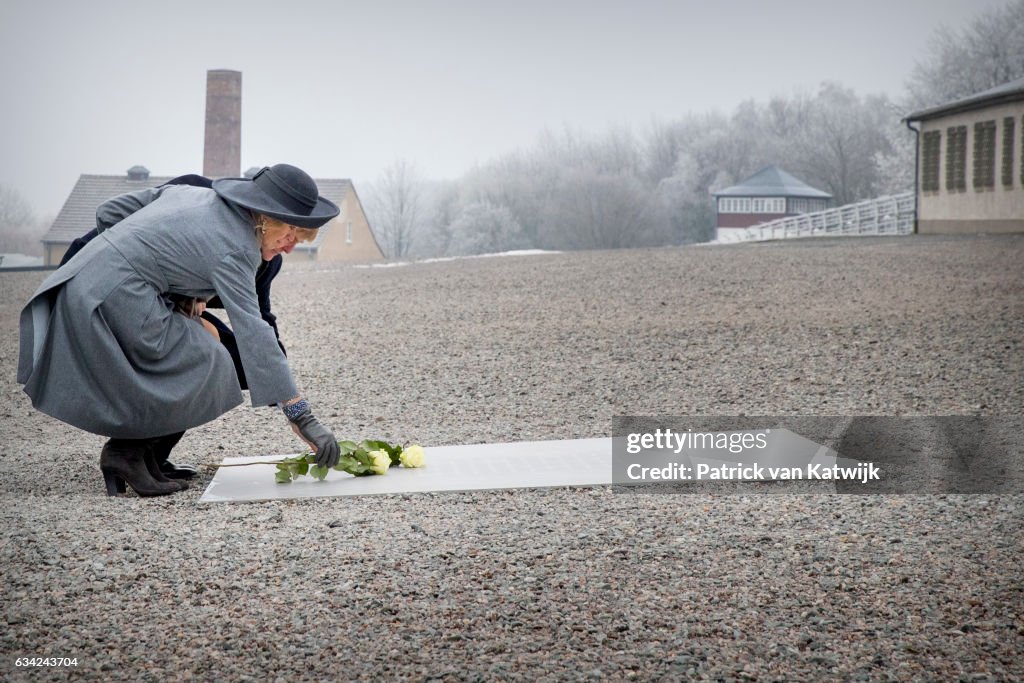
column 524, row 464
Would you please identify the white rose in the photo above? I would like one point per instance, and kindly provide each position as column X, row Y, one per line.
column 381, row 462
column 411, row 456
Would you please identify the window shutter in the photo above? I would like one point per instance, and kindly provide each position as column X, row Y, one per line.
column 931, row 145
column 1008, row 148
column 984, row 155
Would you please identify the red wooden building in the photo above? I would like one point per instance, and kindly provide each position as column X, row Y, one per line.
column 768, row 194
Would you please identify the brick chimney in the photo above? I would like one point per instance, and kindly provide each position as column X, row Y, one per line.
column 222, row 154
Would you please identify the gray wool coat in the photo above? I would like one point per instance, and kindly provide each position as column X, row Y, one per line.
column 103, row 350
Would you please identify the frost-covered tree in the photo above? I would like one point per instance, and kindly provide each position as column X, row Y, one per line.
column 615, row 151
column 440, row 207
column 485, row 228
column 15, row 212
column 20, row 231
column 896, row 164
column 661, row 149
column 394, row 204
column 838, row 147
column 592, row 210
column 521, row 182
column 685, row 202
column 987, row 52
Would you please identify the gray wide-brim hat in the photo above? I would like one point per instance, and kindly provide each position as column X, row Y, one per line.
column 281, row 191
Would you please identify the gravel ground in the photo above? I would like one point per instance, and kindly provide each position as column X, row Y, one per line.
column 556, row 584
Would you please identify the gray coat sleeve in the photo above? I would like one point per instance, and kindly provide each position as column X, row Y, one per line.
column 266, row 367
column 115, row 210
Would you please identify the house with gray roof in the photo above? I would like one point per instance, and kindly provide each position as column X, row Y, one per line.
column 347, row 237
column 970, row 176
column 78, row 215
column 769, row 194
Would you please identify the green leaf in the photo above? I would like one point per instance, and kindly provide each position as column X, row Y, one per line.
column 360, row 467
column 347, row 447
column 378, row 445
column 284, row 477
column 319, row 472
column 346, row 463
column 302, row 468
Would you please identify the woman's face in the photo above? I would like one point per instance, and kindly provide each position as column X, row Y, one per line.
column 281, row 238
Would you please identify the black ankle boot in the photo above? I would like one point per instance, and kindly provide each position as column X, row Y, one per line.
column 162, row 451
column 123, row 461
column 154, row 469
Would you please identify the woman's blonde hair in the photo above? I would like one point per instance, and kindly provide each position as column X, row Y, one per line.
column 265, row 225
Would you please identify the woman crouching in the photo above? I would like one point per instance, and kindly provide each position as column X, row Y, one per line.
column 105, row 348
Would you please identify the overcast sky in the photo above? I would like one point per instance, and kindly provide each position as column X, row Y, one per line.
column 343, row 88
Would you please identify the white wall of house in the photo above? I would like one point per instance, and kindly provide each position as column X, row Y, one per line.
column 996, row 209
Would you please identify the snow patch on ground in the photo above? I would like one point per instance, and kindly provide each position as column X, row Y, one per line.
column 443, row 259
column 19, row 261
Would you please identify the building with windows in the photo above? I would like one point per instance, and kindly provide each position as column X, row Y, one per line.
column 347, row 237
column 769, row 194
column 970, row 177
column 78, row 215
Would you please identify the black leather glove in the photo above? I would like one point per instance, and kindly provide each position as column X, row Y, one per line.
column 327, row 452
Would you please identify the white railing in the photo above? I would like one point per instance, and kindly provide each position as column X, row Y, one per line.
column 892, row 215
